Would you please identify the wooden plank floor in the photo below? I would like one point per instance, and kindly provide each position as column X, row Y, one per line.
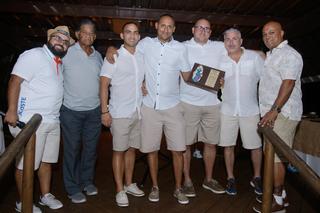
column 302, row 199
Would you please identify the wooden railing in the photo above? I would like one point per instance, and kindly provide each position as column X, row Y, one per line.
column 273, row 140
column 25, row 140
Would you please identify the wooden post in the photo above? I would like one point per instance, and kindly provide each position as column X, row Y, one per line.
column 27, row 177
column 268, row 176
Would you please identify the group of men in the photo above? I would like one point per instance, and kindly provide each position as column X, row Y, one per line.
column 138, row 117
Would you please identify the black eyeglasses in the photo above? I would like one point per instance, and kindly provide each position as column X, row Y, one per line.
column 205, row 29
column 59, row 39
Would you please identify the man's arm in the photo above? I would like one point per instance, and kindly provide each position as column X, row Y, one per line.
column 185, row 75
column 13, row 96
column 283, row 96
column 106, row 118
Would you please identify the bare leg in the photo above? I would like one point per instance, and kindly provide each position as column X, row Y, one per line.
column 209, row 156
column 44, row 174
column 177, row 167
column 153, row 166
column 129, row 159
column 18, row 176
column 279, row 177
column 256, row 157
column 229, row 160
column 118, row 169
column 186, row 165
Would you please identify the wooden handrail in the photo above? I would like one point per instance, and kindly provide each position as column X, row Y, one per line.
column 25, row 140
column 274, row 141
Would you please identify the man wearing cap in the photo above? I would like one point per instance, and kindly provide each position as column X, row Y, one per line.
column 36, row 86
column 80, row 113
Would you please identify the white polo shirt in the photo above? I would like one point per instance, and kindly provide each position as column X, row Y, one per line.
column 282, row 63
column 126, row 75
column 240, row 91
column 42, row 89
column 163, row 63
column 208, row 54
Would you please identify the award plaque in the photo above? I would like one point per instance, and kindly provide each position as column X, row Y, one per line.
column 205, row 77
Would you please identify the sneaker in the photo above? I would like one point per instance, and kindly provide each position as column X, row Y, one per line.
column 122, row 199
column 134, row 190
column 50, row 201
column 154, row 194
column 35, row 209
column 285, row 200
column 231, row 187
column 182, row 198
column 188, row 190
column 275, row 208
column 256, row 183
column 213, row 186
column 78, row 198
column 90, row 190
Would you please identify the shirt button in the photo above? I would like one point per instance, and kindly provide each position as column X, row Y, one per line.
column 159, row 64
column 157, row 93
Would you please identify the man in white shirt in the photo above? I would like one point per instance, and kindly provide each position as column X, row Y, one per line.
column 36, row 86
column 280, row 100
column 125, row 77
column 240, row 109
column 201, row 108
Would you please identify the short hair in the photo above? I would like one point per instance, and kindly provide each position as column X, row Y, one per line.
column 167, row 15
column 202, row 18
column 232, row 29
column 130, row 22
column 85, row 22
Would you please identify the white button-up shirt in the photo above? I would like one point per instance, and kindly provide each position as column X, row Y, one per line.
column 126, row 75
column 208, row 54
column 163, row 63
column 282, row 63
column 240, row 95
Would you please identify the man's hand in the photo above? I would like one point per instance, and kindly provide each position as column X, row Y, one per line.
column 106, row 119
column 111, row 51
column 11, row 118
column 268, row 119
column 221, row 83
column 144, row 89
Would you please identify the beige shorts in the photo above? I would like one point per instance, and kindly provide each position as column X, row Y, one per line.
column 154, row 122
column 202, row 123
column 286, row 130
column 47, row 144
column 126, row 133
column 248, row 126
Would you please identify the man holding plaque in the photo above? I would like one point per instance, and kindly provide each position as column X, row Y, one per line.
column 240, row 109
column 201, row 107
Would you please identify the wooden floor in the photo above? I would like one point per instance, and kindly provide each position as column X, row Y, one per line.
column 301, row 198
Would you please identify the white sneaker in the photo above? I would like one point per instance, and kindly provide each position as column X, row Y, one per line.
column 122, row 199
column 50, row 201
column 35, row 209
column 134, row 190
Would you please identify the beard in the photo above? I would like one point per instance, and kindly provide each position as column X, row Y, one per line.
column 56, row 52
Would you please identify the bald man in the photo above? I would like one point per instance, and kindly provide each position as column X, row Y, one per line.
column 280, row 100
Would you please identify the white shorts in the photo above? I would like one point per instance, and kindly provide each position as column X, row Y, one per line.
column 248, row 126
column 47, row 144
column 126, row 133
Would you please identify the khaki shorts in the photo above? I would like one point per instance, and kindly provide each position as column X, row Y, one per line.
column 47, row 144
column 154, row 122
column 286, row 130
column 202, row 123
column 126, row 133
column 248, row 126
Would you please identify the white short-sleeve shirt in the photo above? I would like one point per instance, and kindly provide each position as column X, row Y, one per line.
column 282, row 63
column 126, row 75
column 163, row 63
column 208, row 54
column 240, row 91
column 42, row 89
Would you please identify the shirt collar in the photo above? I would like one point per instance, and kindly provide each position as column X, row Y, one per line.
column 78, row 47
column 47, row 51
column 166, row 43
column 280, row 46
column 122, row 49
column 196, row 43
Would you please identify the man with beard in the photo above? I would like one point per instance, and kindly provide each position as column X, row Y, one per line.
column 36, row 86
column 80, row 113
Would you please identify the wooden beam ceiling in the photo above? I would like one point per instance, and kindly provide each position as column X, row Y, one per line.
column 62, row 9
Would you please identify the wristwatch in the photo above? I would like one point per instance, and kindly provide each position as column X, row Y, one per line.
column 275, row 107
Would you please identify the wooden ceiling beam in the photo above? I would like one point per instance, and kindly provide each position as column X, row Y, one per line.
column 62, row 9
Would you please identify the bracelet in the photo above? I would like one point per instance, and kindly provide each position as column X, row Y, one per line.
column 104, row 112
column 275, row 108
